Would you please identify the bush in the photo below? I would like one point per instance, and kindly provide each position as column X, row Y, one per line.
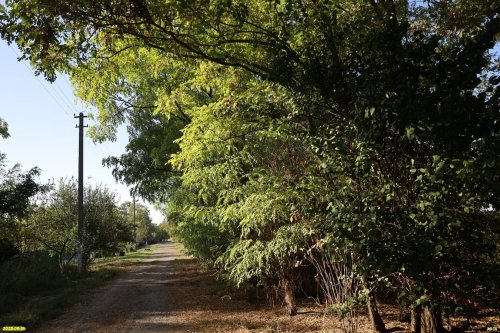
column 27, row 275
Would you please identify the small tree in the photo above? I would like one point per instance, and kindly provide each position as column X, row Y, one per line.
column 16, row 190
column 104, row 226
column 53, row 223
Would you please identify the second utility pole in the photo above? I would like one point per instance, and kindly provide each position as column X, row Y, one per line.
column 79, row 254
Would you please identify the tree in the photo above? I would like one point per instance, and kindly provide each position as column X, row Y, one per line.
column 143, row 228
column 4, row 129
column 158, row 234
column 240, row 165
column 105, row 228
column 16, row 190
column 54, row 221
column 164, row 230
column 125, row 89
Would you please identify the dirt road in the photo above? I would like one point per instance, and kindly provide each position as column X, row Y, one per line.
column 139, row 301
column 170, row 292
column 173, row 293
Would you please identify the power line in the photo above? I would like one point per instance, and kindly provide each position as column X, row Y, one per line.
column 39, row 81
column 101, row 148
column 63, row 98
column 62, row 94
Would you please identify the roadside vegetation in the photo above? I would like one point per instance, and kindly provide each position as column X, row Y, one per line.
column 33, row 290
column 38, row 277
column 344, row 150
column 204, row 303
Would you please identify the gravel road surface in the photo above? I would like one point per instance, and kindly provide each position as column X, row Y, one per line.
column 139, row 301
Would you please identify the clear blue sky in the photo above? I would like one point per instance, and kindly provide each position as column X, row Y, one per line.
column 42, row 128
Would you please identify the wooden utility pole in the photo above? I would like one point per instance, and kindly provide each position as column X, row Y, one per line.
column 135, row 226
column 79, row 255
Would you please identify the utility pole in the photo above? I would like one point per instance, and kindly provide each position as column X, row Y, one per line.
column 135, row 227
column 79, row 255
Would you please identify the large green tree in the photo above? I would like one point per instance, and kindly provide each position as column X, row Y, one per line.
column 239, row 166
column 126, row 89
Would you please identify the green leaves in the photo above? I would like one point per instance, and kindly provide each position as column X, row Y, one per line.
column 4, row 129
column 410, row 133
column 374, row 127
column 17, row 190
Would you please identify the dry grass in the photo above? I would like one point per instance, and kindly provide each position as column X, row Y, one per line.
column 204, row 305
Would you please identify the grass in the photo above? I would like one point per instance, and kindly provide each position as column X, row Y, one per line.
column 32, row 290
column 128, row 259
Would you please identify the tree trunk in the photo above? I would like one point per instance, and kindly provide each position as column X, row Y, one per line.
column 431, row 321
column 61, row 263
column 378, row 325
column 416, row 316
column 289, row 297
